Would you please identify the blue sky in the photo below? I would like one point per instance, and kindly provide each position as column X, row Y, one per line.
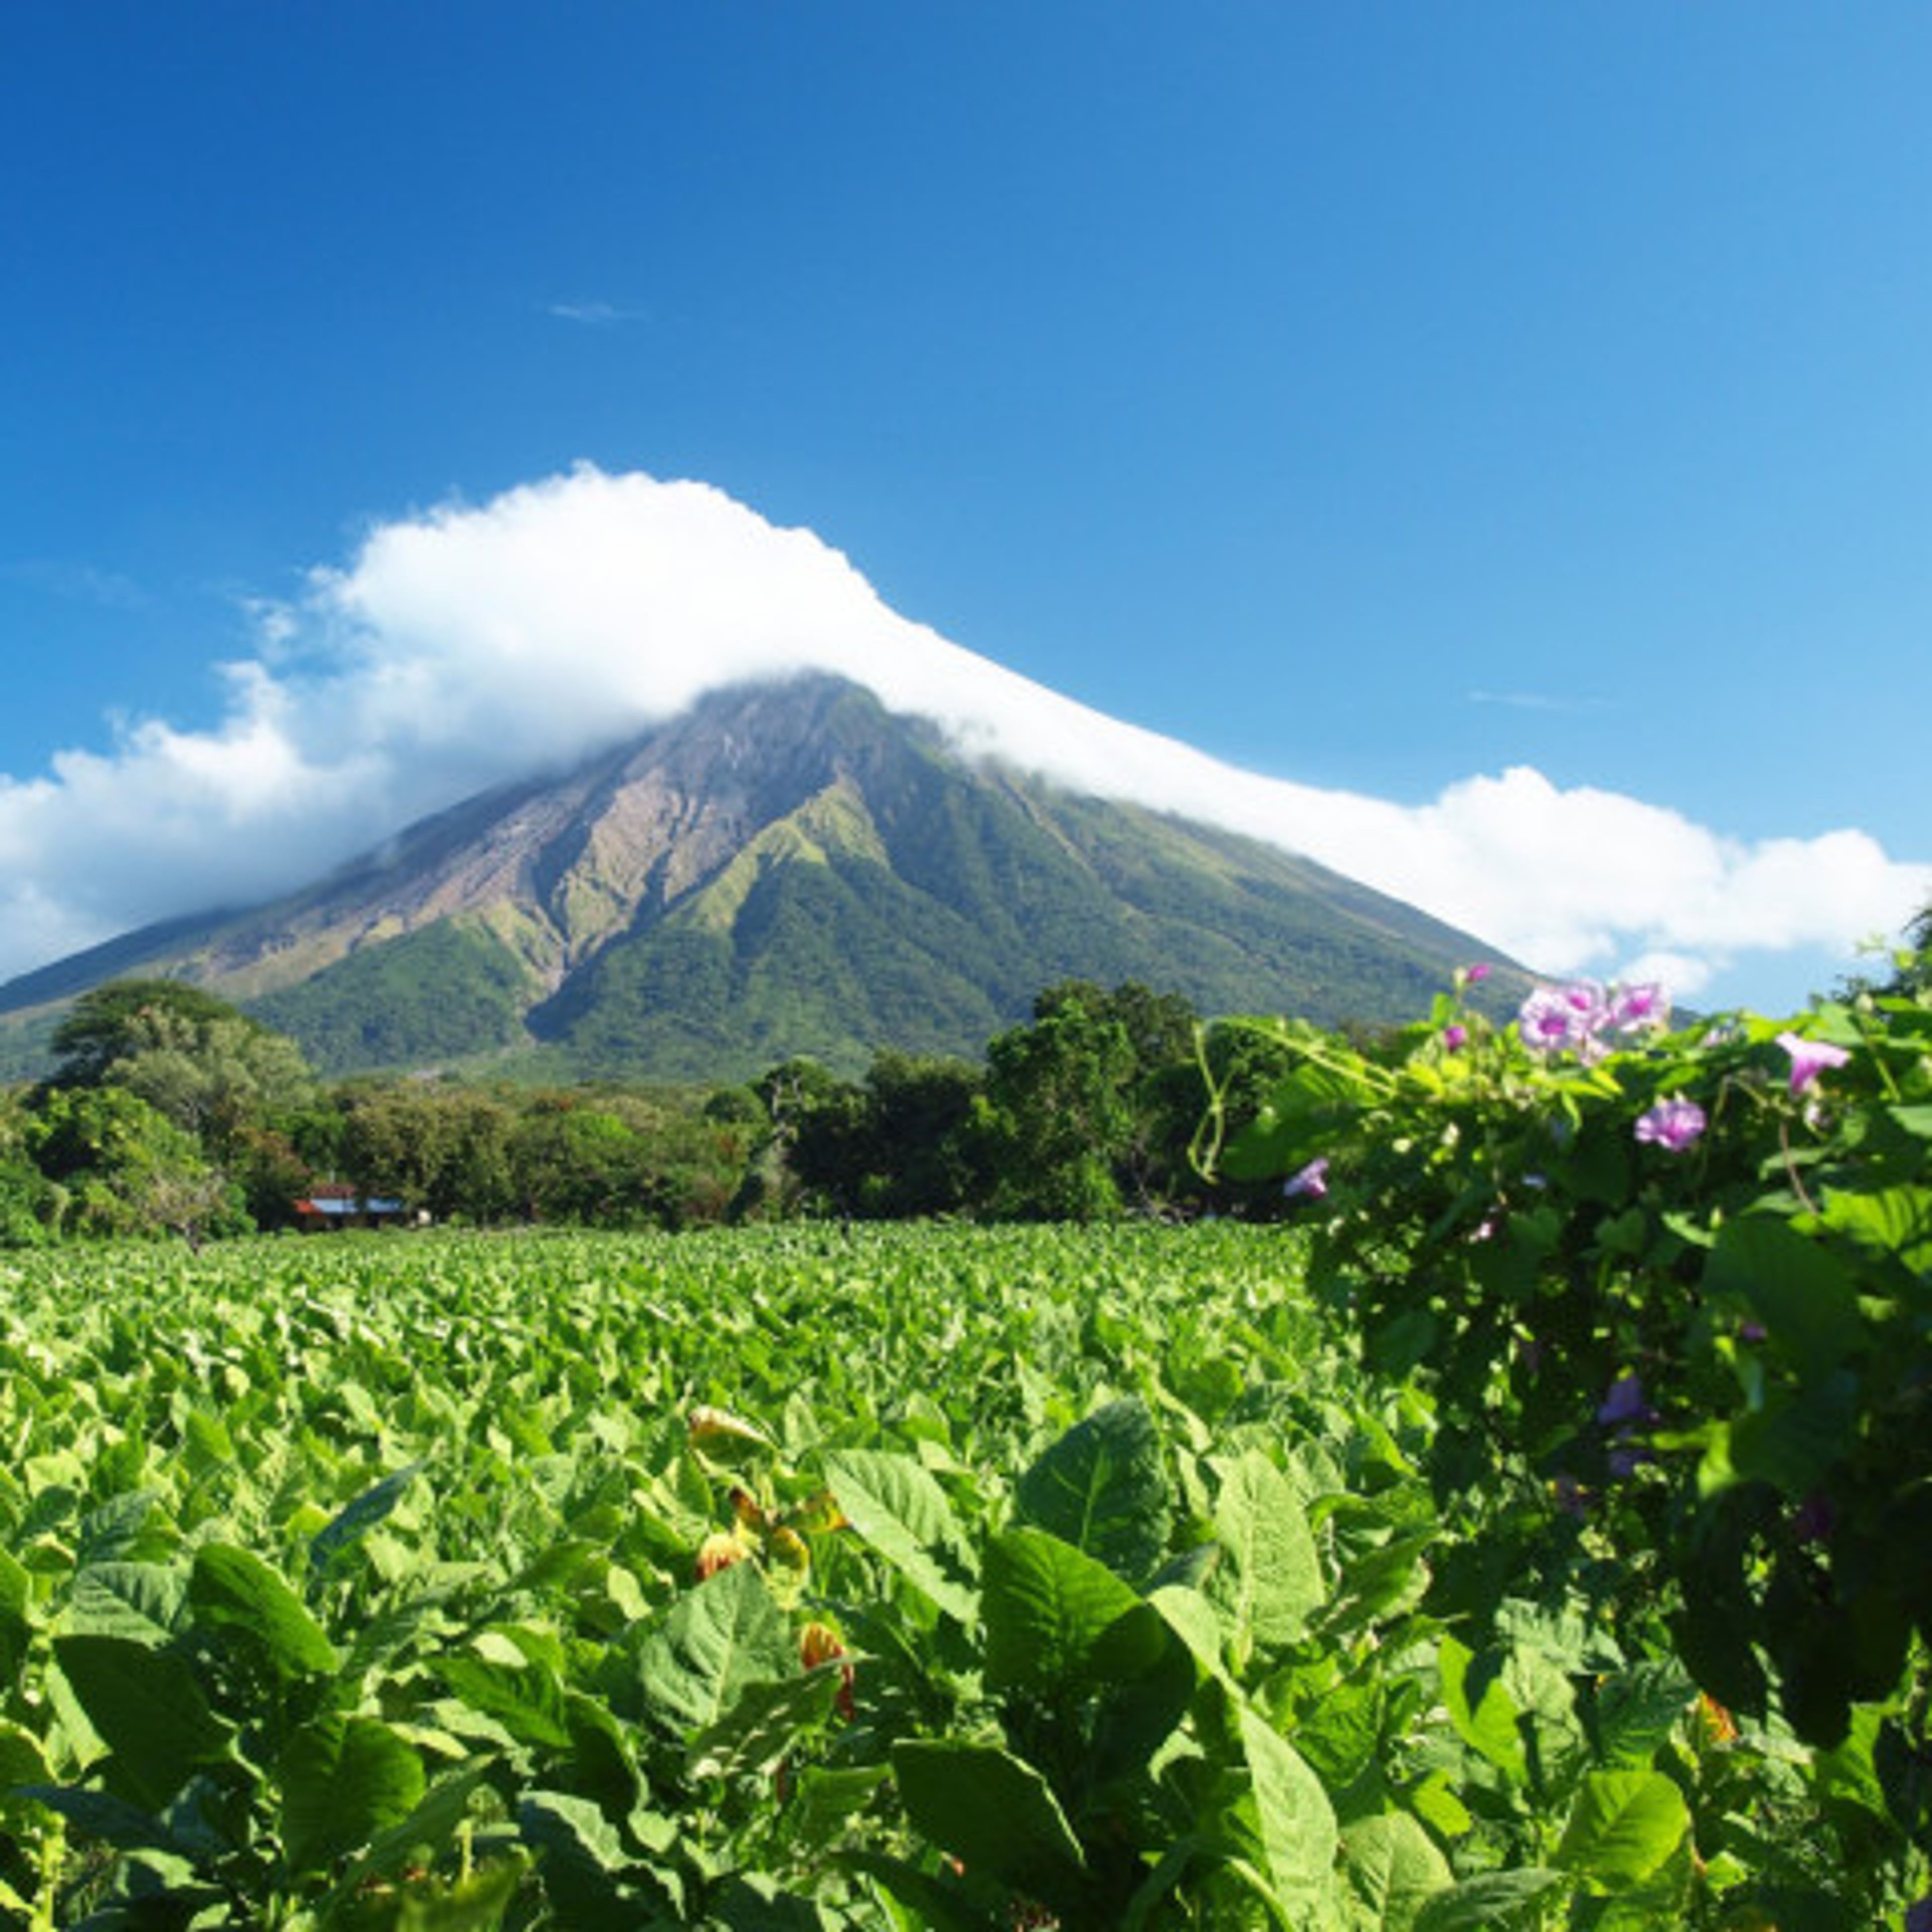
column 1379, row 398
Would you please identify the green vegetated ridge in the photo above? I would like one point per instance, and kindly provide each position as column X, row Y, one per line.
column 786, row 869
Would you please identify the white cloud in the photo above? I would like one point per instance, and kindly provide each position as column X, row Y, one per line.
column 597, row 314
column 472, row 644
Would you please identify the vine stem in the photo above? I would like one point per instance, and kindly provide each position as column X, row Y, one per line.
column 1791, row 1167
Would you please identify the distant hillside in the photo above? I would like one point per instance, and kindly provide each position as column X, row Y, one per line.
column 786, row 868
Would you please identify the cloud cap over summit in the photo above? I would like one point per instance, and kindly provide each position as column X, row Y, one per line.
column 474, row 643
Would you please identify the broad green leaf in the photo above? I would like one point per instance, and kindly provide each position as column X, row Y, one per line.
column 1435, row 1802
column 21, row 1759
column 1622, row 1826
column 1848, row 1771
column 715, row 1639
column 756, row 1902
column 587, row 1876
column 1298, row 1834
column 1391, row 1865
column 1340, row 1732
column 99, row 1814
column 1103, row 1488
column 1480, row 1707
column 16, row 1631
column 761, row 1728
column 523, row 1697
column 1192, row 1619
column 141, row 1602
column 1663, row 1898
column 343, row 1780
column 994, row 1813
column 1546, row 1703
column 1803, row 1293
column 235, row 1590
column 147, row 1708
column 1270, row 1580
column 940, row 1903
column 358, row 1516
column 1636, row 1709
column 421, row 1835
column 1304, row 1115
column 1895, row 1220
column 1491, row 1901
column 897, row 1508
column 827, row 1800
column 1380, row 1581
column 1794, row 1440
column 119, row 1528
column 1049, row 1609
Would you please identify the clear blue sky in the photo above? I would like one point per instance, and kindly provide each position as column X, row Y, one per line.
column 1372, row 395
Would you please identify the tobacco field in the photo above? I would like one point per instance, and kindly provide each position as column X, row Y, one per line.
column 817, row 1577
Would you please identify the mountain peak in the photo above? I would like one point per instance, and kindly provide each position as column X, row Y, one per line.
column 785, row 868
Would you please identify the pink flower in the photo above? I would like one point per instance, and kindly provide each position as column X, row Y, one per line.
column 1809, row 1058
column 1311, row 1183
column 1477, row 973
column 1455, row 1037
column 1671, row 1124
column 1565, row 1019
column 1638, row 1008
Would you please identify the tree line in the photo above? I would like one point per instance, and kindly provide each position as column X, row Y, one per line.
column 170, row 1111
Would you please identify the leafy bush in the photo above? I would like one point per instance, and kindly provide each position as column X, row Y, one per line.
column 1671, row 1293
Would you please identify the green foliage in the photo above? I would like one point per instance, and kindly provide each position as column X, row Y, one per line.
column 1058, row 1091
column 859, row 1578
column 1673, row 1293
column 122, row 1167
column 443, row 993
column 110, row 1021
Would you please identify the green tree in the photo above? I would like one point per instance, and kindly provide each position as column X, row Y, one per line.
column 577, row 1161
column 445, row 1149
column 1059, row 1111
column 243, row 1092
column 1092, row 1107
column 821, row 1130
column 217, row 1076
column 30, row 1204
column 126, row 1168
column 925, row 1151
column 101, row 1026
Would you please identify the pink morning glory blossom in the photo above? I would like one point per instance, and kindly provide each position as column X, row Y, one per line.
column 1809, row 1058
column 1573, row 1018
column 1672, row 1124
column 1455, row 1037
column 1311, row 1183
column 1561, row 1019
column 1639, row 1009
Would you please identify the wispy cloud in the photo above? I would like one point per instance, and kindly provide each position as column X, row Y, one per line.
column 475, row 643
column 1539, row 700
column 597, row 314
column 75, row 583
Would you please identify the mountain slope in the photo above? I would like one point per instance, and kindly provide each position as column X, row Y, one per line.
column 785, row 869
